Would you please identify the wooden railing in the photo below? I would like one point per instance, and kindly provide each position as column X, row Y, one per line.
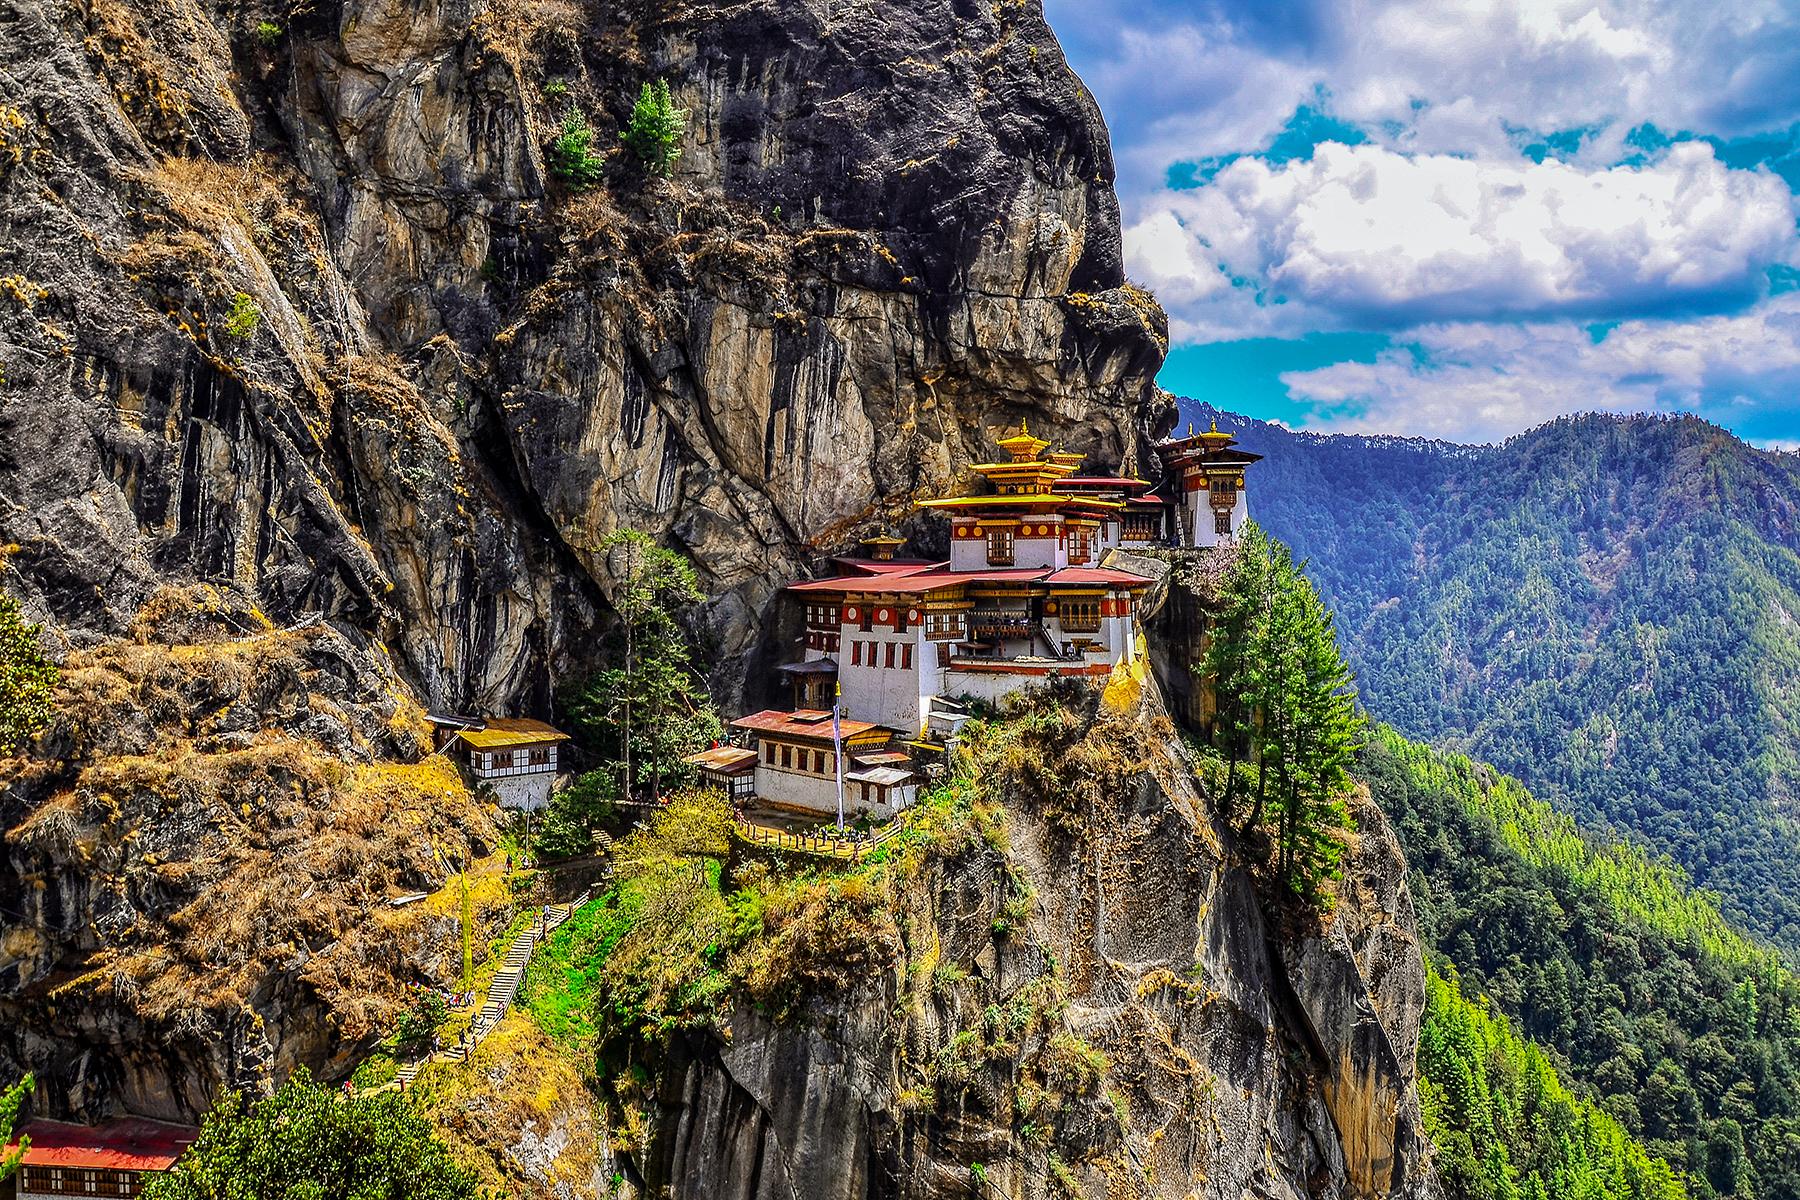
column 824, row 841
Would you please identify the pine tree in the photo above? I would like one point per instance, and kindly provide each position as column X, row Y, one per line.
column 1285, row 712
column 651, row 707
column 656, row 128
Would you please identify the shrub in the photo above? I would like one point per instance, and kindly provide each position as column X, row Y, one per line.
column 244, row 316
column 656, row 128
column 11, row 1100
column 413, row 1031
column 575, row 814
column 268, row 32
column 572, row 157
column 306, row 1142
column 27, row 678
column 1072, row 1066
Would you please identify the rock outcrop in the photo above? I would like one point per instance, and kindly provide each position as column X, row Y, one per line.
column 295, row 303
column 1089, row 997
column 194, row 872
column 299, row 319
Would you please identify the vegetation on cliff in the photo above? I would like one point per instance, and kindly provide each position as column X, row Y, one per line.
column 647, row 706
column 1285, row 719
column 700, row 929
column 1635, row 985
column 27, row 678
column 226, row 791
column 306, row 1142
column 12, row 1099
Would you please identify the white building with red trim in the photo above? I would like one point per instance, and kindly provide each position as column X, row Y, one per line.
column 1023, row 597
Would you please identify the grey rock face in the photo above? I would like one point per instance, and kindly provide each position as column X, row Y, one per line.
column 891, row 232
column 1234, row 1051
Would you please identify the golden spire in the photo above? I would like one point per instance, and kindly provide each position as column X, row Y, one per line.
column 1215, row 426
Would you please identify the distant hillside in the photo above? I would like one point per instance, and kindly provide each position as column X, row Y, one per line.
column 1644, row 998
column 1607, row 607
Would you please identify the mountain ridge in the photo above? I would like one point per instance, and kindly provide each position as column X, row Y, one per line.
column 1604, row 606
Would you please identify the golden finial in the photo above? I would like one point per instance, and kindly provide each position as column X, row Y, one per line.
column 1024, row 428
column 1190, row 429
column 1215, row 426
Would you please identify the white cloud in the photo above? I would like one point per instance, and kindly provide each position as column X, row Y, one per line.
column 1182, row 79
column 1483, row 382
column 1366, row 236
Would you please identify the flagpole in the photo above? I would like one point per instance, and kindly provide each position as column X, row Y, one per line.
column 837, row 748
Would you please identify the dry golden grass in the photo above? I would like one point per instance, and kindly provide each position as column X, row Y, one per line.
column 227, row 847
column 519, row 1114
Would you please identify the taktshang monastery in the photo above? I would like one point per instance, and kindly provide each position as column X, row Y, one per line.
column 903, row 644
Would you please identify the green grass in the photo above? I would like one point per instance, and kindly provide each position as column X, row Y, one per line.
column 564, row 977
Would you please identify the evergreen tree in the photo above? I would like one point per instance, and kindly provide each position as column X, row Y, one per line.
column 1285, row 712
column 27, row 678
column 649, row 708
column 656, row 128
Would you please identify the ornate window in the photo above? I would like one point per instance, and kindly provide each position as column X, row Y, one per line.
column 1222, row 523
column 1080, row 615
column 1000, row 546
column 1079, row 546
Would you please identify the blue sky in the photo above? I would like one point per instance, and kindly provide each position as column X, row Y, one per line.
column 1461, row 218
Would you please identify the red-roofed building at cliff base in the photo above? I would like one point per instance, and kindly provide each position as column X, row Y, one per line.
column 94, row 1160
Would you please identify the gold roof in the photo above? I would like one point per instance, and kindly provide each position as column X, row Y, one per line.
column 1212, row 437
column 1045, row 499
column 1021, row 445
column 512, row 731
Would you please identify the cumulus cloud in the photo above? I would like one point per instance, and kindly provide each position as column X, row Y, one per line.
column 1369, row 237
column 1483, row 382
column 1185, row 80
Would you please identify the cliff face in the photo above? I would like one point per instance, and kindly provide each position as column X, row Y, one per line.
column 891, row 232
column 292, row 307
column 1088, row 999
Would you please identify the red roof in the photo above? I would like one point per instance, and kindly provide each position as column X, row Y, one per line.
column 129, row 1144
column 1098, row 575
column 923, row 582
column 1112, row 481
column 887, row 566
column 809, row 723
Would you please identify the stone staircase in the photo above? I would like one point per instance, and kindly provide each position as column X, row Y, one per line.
column 502, row 991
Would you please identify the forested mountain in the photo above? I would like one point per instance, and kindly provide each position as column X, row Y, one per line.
column 1640, row 992
column 1608, row 607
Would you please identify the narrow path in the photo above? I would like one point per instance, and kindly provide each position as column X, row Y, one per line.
column 502, row 991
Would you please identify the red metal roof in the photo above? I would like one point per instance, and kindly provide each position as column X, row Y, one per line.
column 1098, row 575
column 887, row 566
column 129, row 1144
column 801, row 723
column 923, row 582
column 1130, row 485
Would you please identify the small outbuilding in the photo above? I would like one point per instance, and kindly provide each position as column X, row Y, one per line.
column 732, row 769
column 94, row 1160
column 514, row 756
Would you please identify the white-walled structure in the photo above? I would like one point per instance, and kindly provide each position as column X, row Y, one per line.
column 516, row 757
column 1022, row 598
column 1206, row 481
